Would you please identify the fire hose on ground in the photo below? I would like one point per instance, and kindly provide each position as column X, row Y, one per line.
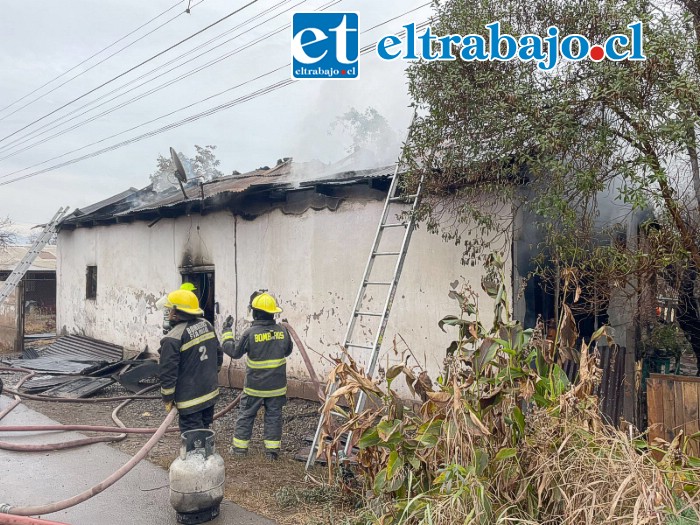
column 116, row 476
column 17, row 399
column 93, row 491
column 9, row 519
column 122, row 431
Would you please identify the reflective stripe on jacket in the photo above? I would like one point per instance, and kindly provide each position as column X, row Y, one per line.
column 190, row 356
column 267, row 346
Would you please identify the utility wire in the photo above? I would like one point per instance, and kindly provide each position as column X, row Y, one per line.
column 91, row 57
column 96, row 64
column 250, row 96
column 133, row 68
column 35, row 133
column 240, row 100
column 260, row 92
column 152, row 121
column 61, row 121
column 38, row 133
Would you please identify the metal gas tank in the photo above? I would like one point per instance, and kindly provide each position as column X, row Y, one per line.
column 197, row 478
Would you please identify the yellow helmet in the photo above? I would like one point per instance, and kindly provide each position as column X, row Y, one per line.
column 184, row 301
column 188, row 286
column 266, row 303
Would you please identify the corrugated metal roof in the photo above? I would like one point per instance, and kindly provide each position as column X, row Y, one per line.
column 12, row 255
column 80, row 387
column 56, row 365
column 220, row 193
column 80, row 347
column 285, row 177
column 92, row 208
column 72, row 354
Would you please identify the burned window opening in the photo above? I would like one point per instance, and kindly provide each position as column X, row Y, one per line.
column 540, row 299
column 91, row 283
column 204, row 284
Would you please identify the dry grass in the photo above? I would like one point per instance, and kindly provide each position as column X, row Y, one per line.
column 39, row 323
column 592, row 476
column 505, row 437
column 562, row 465
column 567, row 471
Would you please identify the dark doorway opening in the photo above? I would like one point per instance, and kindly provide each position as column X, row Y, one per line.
column 540, row 299
column 204, row 284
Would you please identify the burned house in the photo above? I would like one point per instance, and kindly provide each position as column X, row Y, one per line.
column 302, row 232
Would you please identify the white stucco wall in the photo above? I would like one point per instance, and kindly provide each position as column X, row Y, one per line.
column 313, row 263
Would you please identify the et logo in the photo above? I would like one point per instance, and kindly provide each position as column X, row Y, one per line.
column 326, row 45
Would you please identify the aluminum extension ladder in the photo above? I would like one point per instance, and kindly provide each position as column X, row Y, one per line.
column 21, row 269
column 368, row 283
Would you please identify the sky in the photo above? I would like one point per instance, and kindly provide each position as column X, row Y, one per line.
column 47, row 43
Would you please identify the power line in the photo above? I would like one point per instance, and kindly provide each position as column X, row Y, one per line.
column 250, row 96
column 94, row 65
column 38, row 133
column 150, row 121
column 35, row 133
column 92, row 56
column 192, row 118
column 64, row 119
column 133, row 68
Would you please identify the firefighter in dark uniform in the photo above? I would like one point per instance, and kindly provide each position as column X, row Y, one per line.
column 190, row 358
column 267, row 346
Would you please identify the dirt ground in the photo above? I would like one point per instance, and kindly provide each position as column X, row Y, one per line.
column 278, row 489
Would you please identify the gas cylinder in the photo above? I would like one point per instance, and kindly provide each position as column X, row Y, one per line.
column 197, row 478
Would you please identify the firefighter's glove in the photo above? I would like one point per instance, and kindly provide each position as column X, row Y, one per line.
column 228, row 324
column 168, row 406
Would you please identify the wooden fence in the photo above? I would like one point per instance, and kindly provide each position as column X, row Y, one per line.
column 10, row 328
column 673, row 404
column 612, row 392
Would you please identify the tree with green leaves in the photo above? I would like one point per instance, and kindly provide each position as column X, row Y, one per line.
column 627, row 129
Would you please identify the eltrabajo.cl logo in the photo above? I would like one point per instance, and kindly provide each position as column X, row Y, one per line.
column 326, row 45
column 545, row 51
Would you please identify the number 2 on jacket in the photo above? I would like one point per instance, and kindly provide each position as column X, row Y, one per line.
column 203, row 352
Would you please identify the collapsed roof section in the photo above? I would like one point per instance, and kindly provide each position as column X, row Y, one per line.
column 291, row 187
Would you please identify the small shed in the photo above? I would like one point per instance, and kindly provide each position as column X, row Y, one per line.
column 35, row 293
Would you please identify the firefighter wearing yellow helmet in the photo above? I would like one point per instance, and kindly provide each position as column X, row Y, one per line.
column 267, row 345
column 188, row 286
column 190, row 358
